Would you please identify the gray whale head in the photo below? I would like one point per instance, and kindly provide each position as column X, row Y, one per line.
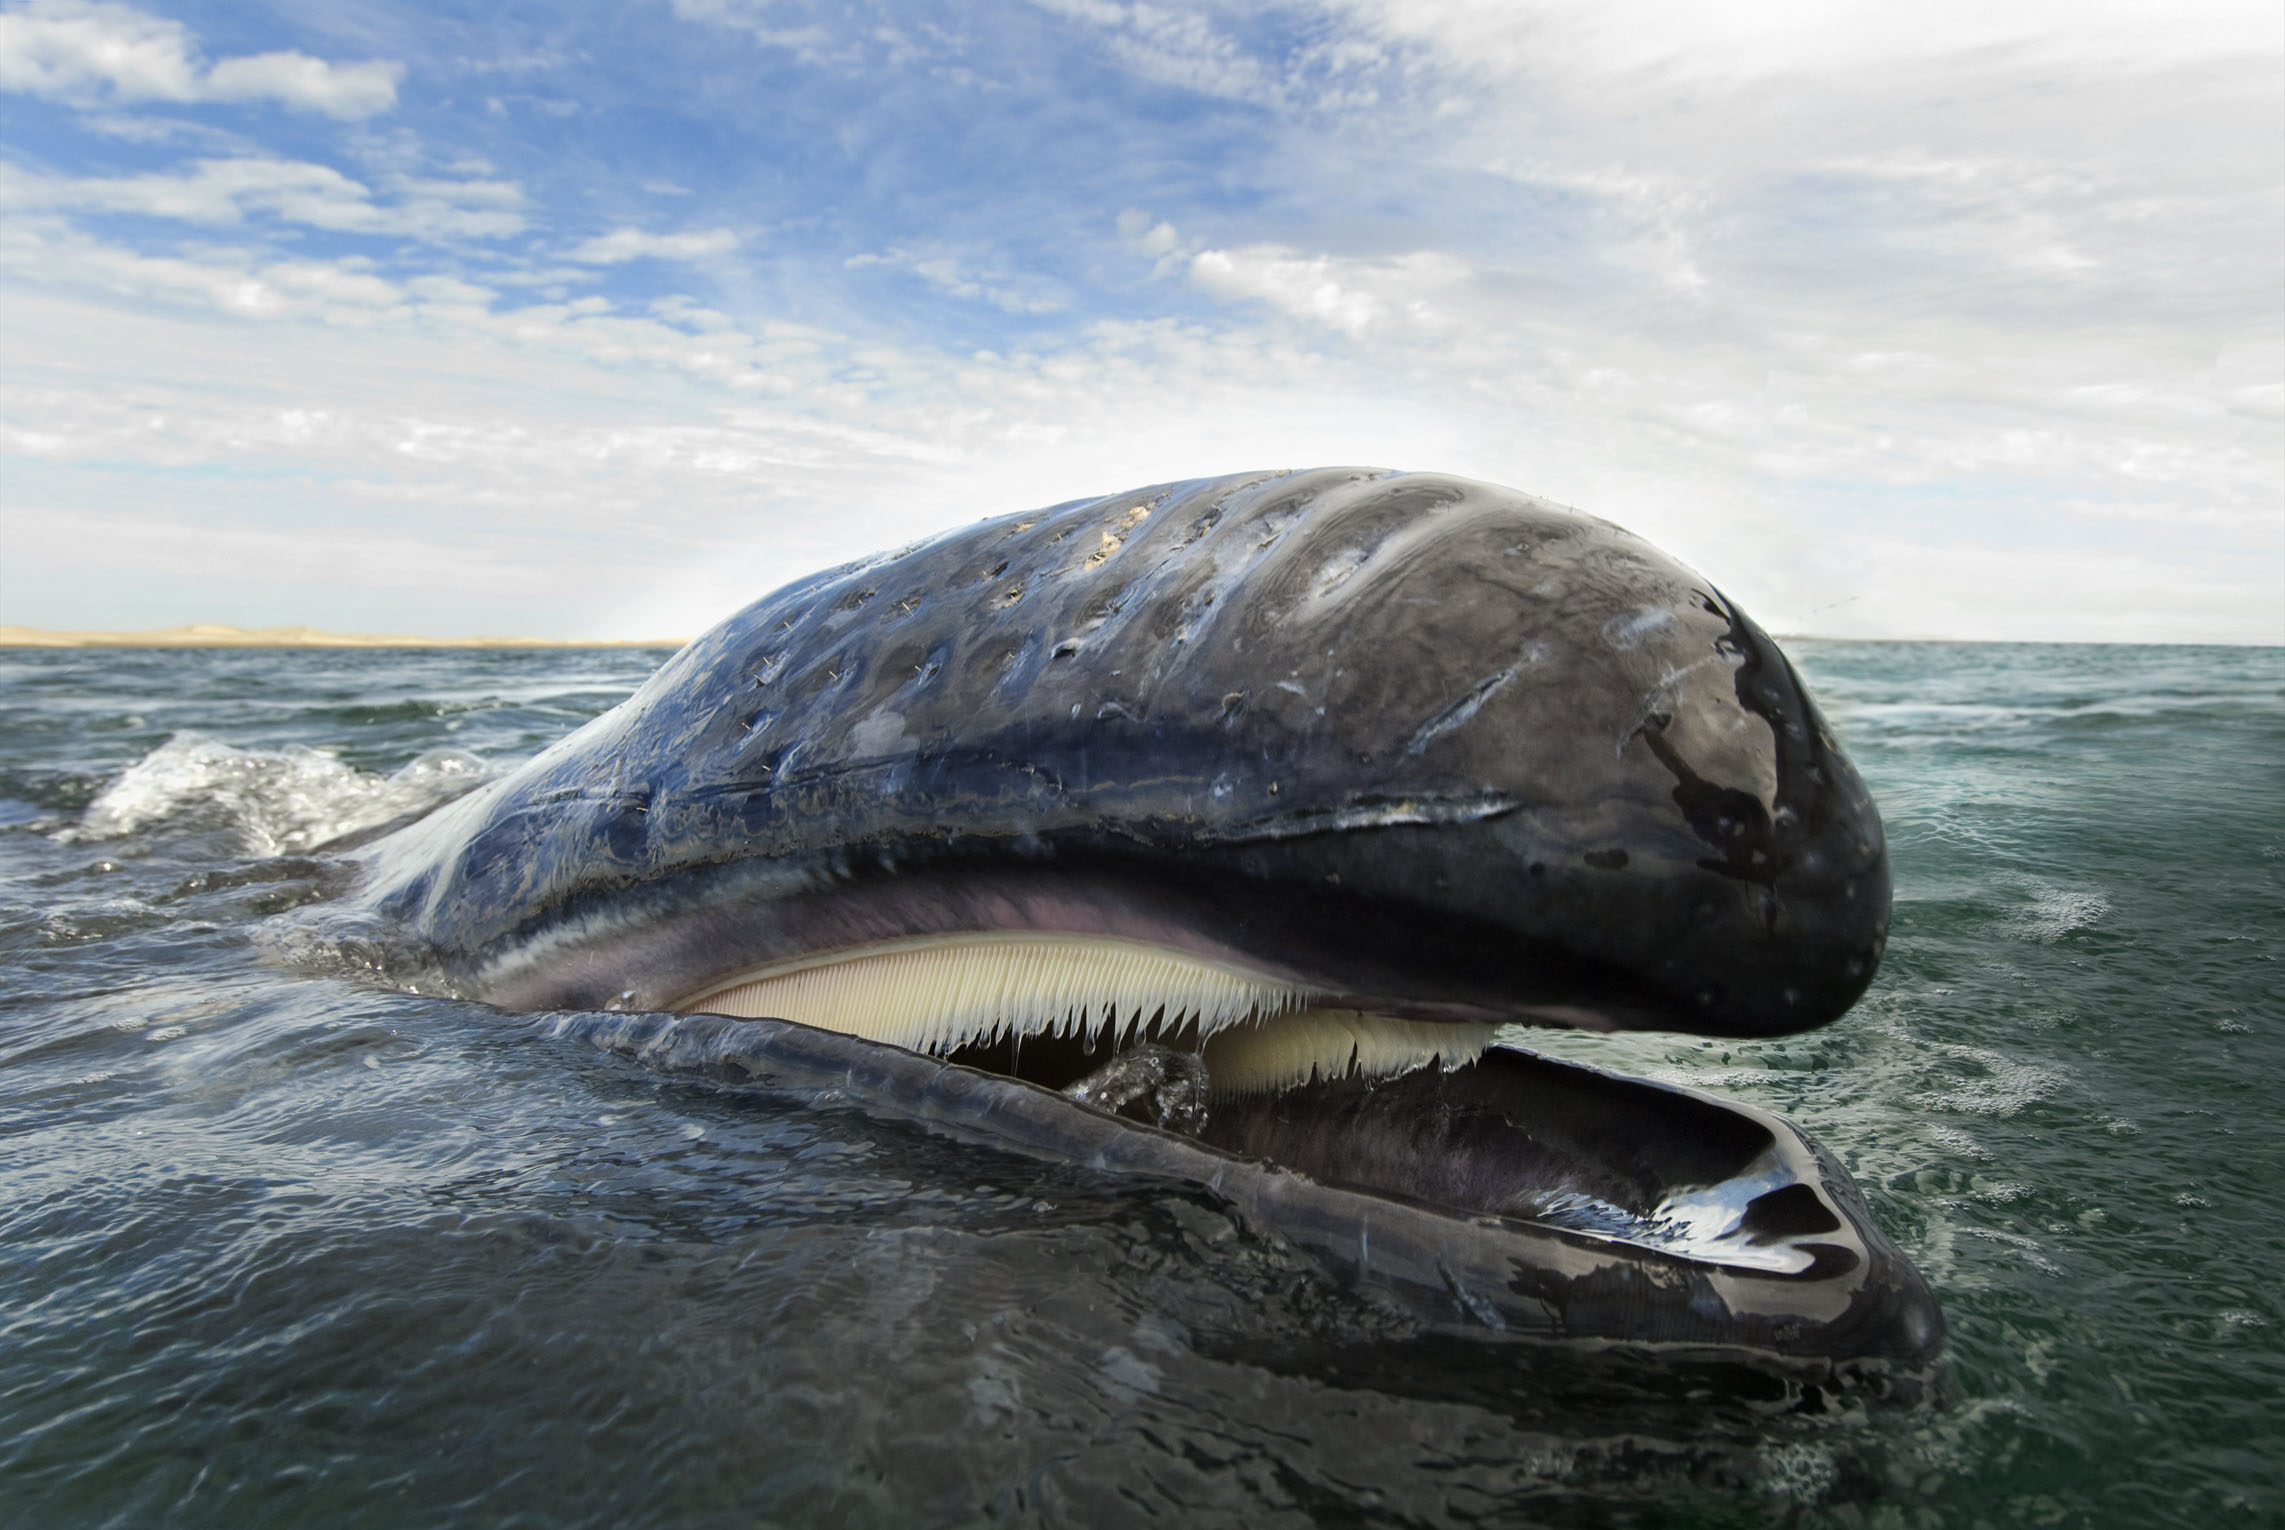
column 1317, row 776
column 1423, row 744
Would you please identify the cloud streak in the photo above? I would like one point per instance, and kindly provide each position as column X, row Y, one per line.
column 231, row 192
column 87, row 51
column 625, row 244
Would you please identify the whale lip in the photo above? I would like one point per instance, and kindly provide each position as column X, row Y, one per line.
column 675, row 947
column 1521, row 1197
column 659, row 945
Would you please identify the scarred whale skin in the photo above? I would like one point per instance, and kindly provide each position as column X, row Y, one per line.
column 1445, row 745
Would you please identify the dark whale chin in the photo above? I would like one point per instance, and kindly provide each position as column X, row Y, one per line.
column 1516, row 1197
column 1295, row 787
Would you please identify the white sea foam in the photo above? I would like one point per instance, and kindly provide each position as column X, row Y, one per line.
column 2005, row 1086
column 1802, row 1472
column 2055, row 911
column 279, row 800
column 1959, row 1142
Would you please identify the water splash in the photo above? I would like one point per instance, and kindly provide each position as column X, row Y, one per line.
column 277, row 800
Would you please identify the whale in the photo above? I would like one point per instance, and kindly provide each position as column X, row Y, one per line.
column 1231, row 832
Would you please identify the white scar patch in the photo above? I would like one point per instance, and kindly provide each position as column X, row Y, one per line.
column 941, row 992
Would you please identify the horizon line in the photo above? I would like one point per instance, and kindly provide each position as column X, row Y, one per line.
column 225, row 635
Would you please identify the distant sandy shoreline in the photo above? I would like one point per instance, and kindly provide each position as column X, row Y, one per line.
column 217, row 635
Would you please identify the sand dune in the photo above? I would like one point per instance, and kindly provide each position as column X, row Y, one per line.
column 217, row 635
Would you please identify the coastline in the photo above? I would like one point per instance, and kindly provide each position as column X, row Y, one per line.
column 220, row 635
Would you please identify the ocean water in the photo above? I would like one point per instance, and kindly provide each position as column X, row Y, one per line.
column 278, row 1248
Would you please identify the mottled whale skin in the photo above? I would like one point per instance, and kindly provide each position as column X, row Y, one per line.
column 1436, row 748
column 1436, row 742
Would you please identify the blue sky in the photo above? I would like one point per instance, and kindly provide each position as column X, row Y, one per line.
column 1956, row 320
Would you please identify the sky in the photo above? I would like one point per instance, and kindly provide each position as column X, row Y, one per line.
column 1950, row 320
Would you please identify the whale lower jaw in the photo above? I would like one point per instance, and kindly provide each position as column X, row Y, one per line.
column 986, row 996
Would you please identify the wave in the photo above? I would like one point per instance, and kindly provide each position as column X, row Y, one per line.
column 277, row 801
column 2055, row 912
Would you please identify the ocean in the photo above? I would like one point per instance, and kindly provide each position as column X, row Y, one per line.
column 279, row 1247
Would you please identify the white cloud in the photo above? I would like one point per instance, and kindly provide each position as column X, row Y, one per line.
column 348, row 91
column 1173, row 45
column 1616, row 39
column 949, row 274
column 241, row 283
column 1183, row 46
column 1348, row 295
column 1144, row 237
column 1984, row 589
column 227, row 191
column 89, row 50
column 334, row 283
column 577, row 425
column 681, row 338
column 1159, row 242
column 62, row 48
column 627, row 244
column 1818, row 449
column 132, row 127
column 757, row 19
column 451, row 291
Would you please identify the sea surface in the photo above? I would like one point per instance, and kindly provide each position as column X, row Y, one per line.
column 279, row 1248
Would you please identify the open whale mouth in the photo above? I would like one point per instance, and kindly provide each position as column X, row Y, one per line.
column 1271, row 1069
column 1059, row 1009
column 1473, row 1185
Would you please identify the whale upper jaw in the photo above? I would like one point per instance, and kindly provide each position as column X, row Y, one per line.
column 1393, row 750
column 1418, row 738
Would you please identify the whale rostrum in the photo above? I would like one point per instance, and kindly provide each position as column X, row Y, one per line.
column 1291, row 788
